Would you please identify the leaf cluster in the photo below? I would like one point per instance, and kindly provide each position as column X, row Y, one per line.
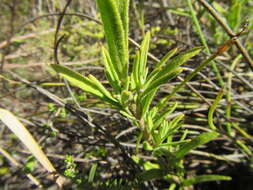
column 132, row 94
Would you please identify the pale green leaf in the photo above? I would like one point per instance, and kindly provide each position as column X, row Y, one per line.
column 161, row 79
column 115, row 35
column 123, row 10
column 179, row 60
column 100, row 87
column 143, row 58
column 160, row 117
column 172, row 127
column 201, row 139
column 90, row 85
column 159, row 66
column 26, row 138
column 135, row 72
column 111, row 74
column 204, row 178
column 146, row 101
column 92, row 172
column 172, row 64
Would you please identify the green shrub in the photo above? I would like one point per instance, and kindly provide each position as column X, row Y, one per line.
column 133, row 92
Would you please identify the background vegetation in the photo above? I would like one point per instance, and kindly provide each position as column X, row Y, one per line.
column 94, row 145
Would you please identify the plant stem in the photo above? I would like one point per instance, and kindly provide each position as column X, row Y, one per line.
column 228, row 30
column 229, row 93
column 203, row 41
column 212, row 108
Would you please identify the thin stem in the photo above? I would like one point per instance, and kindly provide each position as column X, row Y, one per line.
column 228, row 30
column 203, row 41
column 229, row 94
column 212, row 108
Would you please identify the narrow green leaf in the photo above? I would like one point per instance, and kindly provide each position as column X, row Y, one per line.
column 127, row 83
column 107, row 95
column 123, row 10
column 133, row 84
column 163, row 129
column 156, row 137
column 127, row 115
column 150, row 123
column 112, row 83
column 159, row 66
column 185, row 132
column 100, row 87
column 143, row 58
column 77, row 80
column 201, row 139
column 125, row 97
column 150, row 165
column 146, row 101
column 173, row 127
column 245, row 147
column 115, row 35
column 174, row 143
column 154, row 111
column 162, row 79
column 90, row 85
column 111, row 74
column 163, row 101
column 212, row 108
column 166, row 58
column 204, row 178
column 92, row 172
column 173, row 64
column 135, row 72
column 180, row 59
column 160, row 117
column 162, row 151
column 172, row 186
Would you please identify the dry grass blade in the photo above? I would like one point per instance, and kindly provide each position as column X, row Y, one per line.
column 27, row 139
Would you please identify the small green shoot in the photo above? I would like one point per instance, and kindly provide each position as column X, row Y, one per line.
column 92, row 172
